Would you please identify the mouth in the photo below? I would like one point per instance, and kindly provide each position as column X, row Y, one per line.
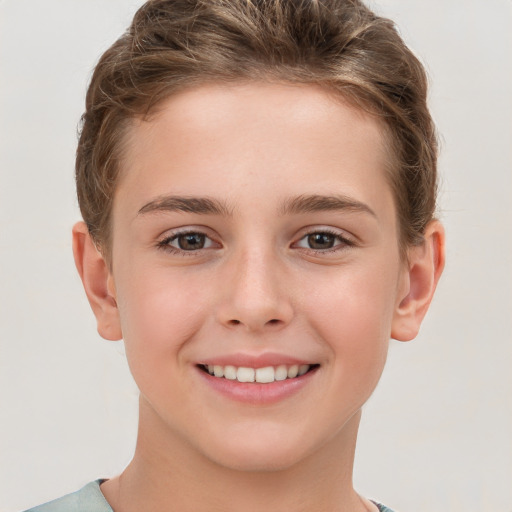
column 264, row 375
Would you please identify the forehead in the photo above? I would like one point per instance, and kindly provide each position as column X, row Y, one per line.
column 251, row 137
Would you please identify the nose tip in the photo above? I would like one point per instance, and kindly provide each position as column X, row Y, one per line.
column 255, row 316
column 255, row 297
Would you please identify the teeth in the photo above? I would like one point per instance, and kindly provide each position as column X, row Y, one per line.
column 281, row 372
column 262, row 375
column 303, row 368
column 265, row 375
column 245, row 374
column 230, row 372
column 293, row 371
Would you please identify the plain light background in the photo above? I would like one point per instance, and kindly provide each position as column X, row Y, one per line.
column 436, row 435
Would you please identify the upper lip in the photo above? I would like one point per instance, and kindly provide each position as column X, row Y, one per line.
column 254, row 360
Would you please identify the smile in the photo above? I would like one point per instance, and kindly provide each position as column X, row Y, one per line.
column 263, row 375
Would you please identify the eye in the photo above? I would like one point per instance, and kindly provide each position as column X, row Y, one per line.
column 189, row 241
column 323, row 241
column 320, row 240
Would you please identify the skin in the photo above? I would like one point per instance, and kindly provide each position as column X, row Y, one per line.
column 257, row 286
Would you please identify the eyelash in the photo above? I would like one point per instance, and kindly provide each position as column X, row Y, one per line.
column 165, row 243
column 343, row 242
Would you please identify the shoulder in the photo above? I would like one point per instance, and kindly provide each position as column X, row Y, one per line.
column 88, row 499
column 382, row 508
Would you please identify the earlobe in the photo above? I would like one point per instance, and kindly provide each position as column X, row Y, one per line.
column 426, row 263
column 98, row 283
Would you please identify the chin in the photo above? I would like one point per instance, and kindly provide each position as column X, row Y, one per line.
column 261, row 453
column 257, row 462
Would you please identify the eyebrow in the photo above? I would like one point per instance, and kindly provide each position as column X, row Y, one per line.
column 200, row 205
column 319, row 203
column 295, row 205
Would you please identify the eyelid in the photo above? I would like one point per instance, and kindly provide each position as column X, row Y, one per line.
column 345, row 238
column 164, row 240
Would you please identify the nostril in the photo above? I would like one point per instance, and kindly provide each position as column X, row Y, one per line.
column 273, row 321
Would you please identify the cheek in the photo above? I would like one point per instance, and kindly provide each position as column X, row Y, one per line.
column 159, row 313
column 353, row 315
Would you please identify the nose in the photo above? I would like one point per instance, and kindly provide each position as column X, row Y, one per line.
column 255, row 294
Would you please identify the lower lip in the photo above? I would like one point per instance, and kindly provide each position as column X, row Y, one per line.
column 256, row 393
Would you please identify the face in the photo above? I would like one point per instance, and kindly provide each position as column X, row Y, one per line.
column 255, row 238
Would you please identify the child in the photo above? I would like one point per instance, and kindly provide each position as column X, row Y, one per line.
column 257, row 181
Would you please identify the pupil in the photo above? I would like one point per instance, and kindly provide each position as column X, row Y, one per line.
column 321, row 241
column 191, row 241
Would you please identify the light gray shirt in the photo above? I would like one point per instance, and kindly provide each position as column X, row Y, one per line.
column 91, row 499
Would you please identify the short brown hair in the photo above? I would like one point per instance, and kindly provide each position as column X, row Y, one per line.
column 339, row 44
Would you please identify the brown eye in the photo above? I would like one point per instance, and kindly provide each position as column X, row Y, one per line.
column 191, row 241
column 321, row 241
column 324, row 242
column 188, row 242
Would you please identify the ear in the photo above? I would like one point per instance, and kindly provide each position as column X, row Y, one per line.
column 419, row 281
column 98, row 283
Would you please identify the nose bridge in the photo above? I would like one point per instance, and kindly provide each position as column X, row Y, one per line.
column 256, row 295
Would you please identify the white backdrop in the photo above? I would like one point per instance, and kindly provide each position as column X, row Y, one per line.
column 436, row 435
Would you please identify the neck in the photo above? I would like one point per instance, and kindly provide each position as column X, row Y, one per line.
column 167, row 474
